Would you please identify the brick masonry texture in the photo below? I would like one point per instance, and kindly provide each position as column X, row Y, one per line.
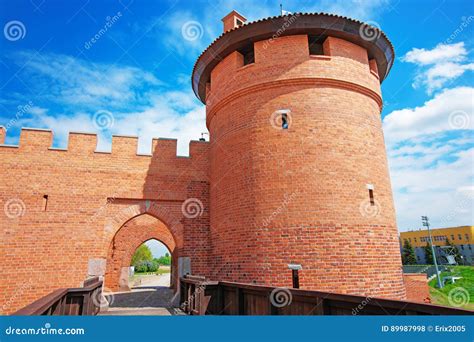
column 269, row 196
column 417, row 287
column 127, row 240
column 300, row 195
column 92, row 198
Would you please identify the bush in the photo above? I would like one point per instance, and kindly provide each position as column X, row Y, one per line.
column 152, row 266
column 146, row 266
column 141, row 267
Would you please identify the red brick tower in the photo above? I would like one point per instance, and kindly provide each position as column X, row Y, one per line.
column 298, row 164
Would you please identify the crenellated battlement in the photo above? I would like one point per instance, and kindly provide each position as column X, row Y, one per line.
column 81, row 143
column 297, row 161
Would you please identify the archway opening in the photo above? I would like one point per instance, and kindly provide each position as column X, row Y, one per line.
column 142, row 229
column 150, row 265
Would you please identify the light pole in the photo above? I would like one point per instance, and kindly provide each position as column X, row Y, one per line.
column 426, row 223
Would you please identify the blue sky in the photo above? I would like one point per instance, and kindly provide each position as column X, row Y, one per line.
column 134, row 79
column 157, row 248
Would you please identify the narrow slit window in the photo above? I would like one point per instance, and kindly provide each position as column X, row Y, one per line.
column 371, row 196
column 45, row 202
column 315, row 44
column 284, row 120
column 248, row 53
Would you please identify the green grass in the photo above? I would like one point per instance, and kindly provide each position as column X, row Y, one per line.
column 163, row 271
column 460, row 294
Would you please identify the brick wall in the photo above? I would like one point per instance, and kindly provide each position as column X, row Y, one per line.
column 300, row 195
column 262, row 197
column 90, row 197
column 417, row 287
column 134, row 233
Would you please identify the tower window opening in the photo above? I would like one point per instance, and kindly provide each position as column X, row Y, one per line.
column 371, row 197
column 248, row 53
column 315, row 44
column 284, row 120
column 45, row 202
column 239, row 22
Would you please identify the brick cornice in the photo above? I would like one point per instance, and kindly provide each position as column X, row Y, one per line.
column 309, row 81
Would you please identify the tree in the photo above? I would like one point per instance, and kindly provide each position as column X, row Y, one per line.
column 457, row 255
column 165, row 260
column 408, row 255
column 143, row 253
column 428, row 254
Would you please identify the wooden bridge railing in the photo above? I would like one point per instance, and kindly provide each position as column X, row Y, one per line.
column 201, row 297
column 70, row 302
column 195, row 294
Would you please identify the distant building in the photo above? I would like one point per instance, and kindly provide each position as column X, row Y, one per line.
column 461, row 237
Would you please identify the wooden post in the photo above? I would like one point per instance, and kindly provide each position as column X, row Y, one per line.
column 273, row 310
column 220, row 300
column 239, row 301
column 319, row 310
column 202, row 300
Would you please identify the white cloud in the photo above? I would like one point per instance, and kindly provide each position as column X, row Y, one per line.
column 449, row 110
column 75, row 82
column 442, row 191
column 440, row 65
column 431, row 158
column 163, row 119
column 76, row 89
column 441, row 53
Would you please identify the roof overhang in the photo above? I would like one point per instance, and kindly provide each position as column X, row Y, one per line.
column 378, row 47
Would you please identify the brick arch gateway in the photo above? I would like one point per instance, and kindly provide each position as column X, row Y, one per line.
column 269, row 194
column 127, row 239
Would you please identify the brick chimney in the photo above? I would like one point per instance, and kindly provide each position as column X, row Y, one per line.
column 3, row 133
column 232, row 20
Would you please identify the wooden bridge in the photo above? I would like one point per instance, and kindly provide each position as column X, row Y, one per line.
column 199, row 296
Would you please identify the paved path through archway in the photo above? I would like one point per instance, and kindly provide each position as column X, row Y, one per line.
column 152, row 297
